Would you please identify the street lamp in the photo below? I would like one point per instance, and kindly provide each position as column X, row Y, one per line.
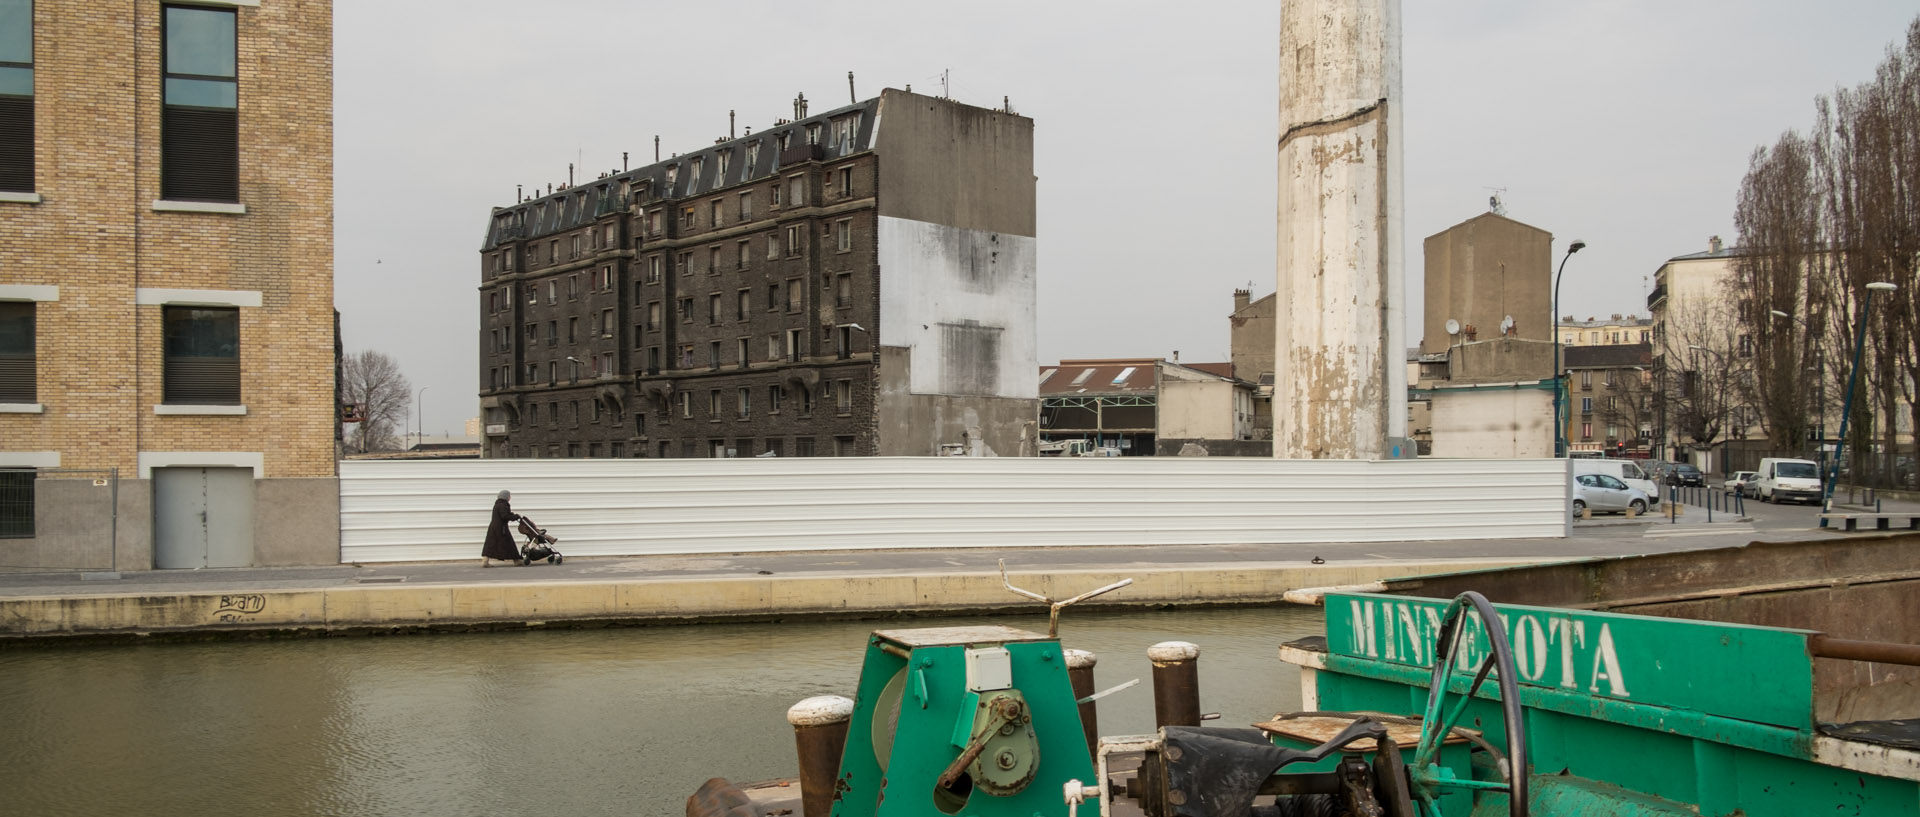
column 1853, row 380
column 1820, row 382
column 419, row 426
column 1559, row 426
column 1726, row 435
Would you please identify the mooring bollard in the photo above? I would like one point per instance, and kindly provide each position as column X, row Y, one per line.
column 1080, row 676
column 819, row 735
column 1176, row 683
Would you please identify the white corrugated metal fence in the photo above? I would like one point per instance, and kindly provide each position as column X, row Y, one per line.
column 415, row 511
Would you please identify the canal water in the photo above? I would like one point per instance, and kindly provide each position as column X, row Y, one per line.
column 564, row 722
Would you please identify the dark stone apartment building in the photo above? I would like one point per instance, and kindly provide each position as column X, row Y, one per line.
column 859, row 282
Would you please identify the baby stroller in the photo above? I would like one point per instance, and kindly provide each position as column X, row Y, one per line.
column 539, row 545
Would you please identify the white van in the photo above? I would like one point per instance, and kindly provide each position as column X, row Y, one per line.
column 1627, row 471
column 1783, row 480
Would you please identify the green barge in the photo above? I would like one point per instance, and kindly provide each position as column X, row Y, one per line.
column 1772, row 680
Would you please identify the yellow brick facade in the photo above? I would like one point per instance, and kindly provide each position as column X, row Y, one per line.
column 98, row 236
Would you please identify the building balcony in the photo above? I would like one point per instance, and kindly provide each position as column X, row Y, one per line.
column 1657, row 296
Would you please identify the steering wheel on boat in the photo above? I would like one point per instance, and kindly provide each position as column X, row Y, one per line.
column 1429, row 777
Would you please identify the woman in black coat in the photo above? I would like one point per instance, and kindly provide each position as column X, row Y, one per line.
column 500, row 540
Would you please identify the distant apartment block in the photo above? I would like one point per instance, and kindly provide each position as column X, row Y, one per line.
column 853, row 283
column 166, row 285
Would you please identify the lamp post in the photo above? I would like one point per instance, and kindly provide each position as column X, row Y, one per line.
column 1853, row 380
column 1559, row 426
column 1820, row 383
column 419, row 425
column 1726, row 434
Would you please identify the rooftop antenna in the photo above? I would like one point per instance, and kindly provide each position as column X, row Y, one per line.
column 943, row 84
column 851, row 96
column 1494, row 204
column 517, row 195
column 656, row 147
column 729, row 124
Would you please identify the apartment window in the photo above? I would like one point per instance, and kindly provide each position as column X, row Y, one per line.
column 843, row 341
column 796, row 190
column 553, row 291
column 573, row 330
column 573, row 248
column 746, row 205
column 713, row 259
column 775, row 393
column 773, row 297
column 654, row 222
column 806, row 401
column 1586, row 431
column 743, row 348
column 745, row 403
column 654, row 263
column 18, row 365
column 553, row 333
column 606, row 279
column 773, row 247
column 200, row 110
column 573, row 412
column 606, row 323
column 202, row 348
column 713, row 354
column 553, row 251
column 1613, row 337
column 843, row 446
column 843, row 290
column 653, row 360
column 16, row 503
column 686, row 263
column 639, row 332
column 775, row 197
column 686, row 404
column 745, row 253
column 843, row 235
column 713, row 308
column 713, row 404
column 686, row 356
column 793, row 345
column 1586, row 380
column 740, row 301
column 793, row 295
column 813, row 134
column 846, row 182
column 553, row 372
column 843, row 397
column 773, row 347
column 686, row 218
column 773, row 446
column 715, row 214
column 796, row 238
column 1645, row 336
column 16, row 109
column 721, row 161
column 686, row 310
column 1586, row 405
column 653, row 315
column 803, row 446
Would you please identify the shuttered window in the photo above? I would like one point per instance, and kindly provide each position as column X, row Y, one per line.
column 199, row 120
column 16, row 95
column 202, row 355
column 16, row 503
column 17, row 368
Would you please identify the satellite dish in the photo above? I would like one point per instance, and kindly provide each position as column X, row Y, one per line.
column 1453, row 327
column 1506, row 325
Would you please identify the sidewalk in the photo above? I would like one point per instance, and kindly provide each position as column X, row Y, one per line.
column 462, row 595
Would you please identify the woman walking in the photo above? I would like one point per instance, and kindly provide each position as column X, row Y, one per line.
column 500, row 540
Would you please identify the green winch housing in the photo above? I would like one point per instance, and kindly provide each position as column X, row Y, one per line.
column 975, row 721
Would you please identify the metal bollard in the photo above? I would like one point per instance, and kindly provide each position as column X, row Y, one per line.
column 1080, row 676
column 819, row 735
column 1176, row 683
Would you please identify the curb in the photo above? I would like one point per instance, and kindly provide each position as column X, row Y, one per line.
column 388, row 608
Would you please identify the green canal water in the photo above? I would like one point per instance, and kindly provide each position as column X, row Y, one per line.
column 562, row 722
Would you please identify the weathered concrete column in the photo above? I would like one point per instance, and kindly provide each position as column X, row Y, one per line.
column 1080, row 677
column 1176, row 683
column 819, row 735
column 1340, row 381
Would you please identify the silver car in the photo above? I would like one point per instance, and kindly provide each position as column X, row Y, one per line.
column 1603, row 493
column 1742, row 482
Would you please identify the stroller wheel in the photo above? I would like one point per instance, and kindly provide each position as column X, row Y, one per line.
column 553, row 560
column 557, row 558
column 524, row 561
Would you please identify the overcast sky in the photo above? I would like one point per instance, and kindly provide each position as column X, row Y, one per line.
column 1626, row 123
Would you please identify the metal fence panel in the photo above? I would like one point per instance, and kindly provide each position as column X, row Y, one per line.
column 438, row 510
column 58, row 519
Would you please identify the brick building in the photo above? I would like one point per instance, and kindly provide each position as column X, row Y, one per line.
column 825, row 287
column 166, row 289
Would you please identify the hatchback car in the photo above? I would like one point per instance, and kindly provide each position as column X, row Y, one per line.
column 1686, row 474
column 1742, row 482
column 1603, row 493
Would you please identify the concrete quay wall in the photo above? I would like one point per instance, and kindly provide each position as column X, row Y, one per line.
column 400, row 606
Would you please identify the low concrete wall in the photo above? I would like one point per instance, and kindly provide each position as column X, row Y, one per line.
column 296, row 522
column 73, row 521
column 1167, row 447
column 398, row 606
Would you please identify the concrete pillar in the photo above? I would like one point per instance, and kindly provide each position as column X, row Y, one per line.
column 819, row 736
column 1176, row 683
column 1340, row 387
column 1080, row 678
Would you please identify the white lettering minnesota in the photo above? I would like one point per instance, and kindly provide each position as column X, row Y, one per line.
column 1401, row 632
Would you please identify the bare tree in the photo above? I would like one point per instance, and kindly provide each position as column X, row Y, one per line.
column 1627, row 401
column 1707, row 358
column 374, row 380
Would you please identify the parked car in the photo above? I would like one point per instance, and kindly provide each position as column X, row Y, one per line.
column 1686, row 474
column 1742, row 482
column 1603, row 493
column 1627, row 471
